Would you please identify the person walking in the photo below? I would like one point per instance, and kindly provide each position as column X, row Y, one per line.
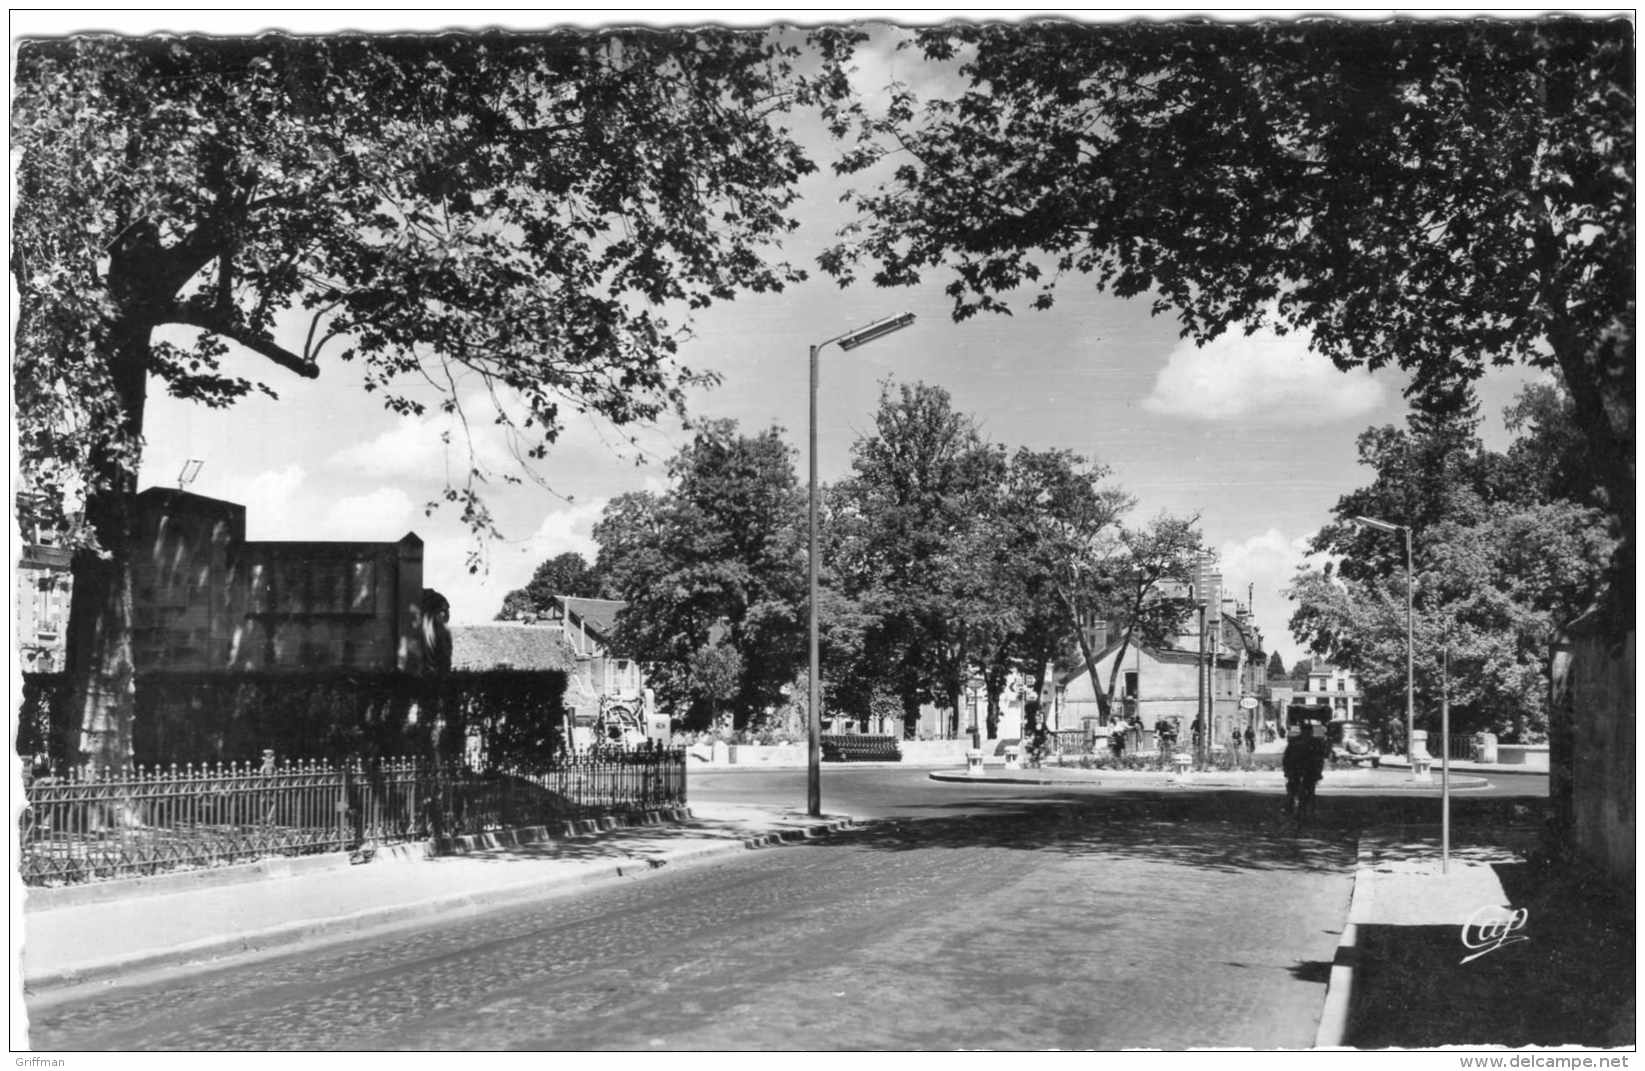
column 1304, row 766
column 1250, row 740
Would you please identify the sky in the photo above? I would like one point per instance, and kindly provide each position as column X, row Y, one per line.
column 1255, row 435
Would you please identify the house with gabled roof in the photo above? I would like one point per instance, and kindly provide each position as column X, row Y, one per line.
column 578, row 631
column 1161, row 682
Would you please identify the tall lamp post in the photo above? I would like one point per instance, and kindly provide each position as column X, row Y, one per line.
column 1410, row 642
column 813, row 715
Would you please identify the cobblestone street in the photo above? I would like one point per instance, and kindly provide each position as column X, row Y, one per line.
column 1142, row 924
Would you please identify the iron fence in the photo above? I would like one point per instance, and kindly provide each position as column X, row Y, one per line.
column 94, row 825
column 1462, row 747
column 1070, row 742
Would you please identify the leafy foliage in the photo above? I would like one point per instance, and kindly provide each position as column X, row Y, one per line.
column 717, row 560
column 1276, row 667
column 1433, row 195
column 918, row 548
column 567, row 574
column 531, row 216
column 1499, row 570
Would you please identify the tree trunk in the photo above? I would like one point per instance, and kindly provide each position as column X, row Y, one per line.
column 99, row 664
column 1090, row 659
column 1119, row 658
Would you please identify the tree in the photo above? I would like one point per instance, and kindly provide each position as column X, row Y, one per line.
column 1276, row 667
column 712, row 563
column 1436, row 195
column 1499, row 567
column 1147, row 579
column 564, row 574
column 1062, row 528
column 916, row 502
column 714, row 675
column 522, row 213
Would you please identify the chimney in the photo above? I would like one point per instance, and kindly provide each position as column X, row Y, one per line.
column 1097, row 636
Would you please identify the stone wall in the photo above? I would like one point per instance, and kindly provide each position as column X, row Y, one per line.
column 206, row 599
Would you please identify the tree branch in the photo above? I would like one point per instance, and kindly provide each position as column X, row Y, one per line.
column 207, row 320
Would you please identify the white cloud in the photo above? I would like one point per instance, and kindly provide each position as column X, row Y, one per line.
column 1262, row 566
column 432, row 447
column 381, row 516
column 1265, row 374
column 270, row 499
column 476, row 597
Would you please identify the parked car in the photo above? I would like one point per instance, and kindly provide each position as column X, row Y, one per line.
column 1351, row 742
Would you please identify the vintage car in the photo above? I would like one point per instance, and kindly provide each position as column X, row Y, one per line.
column 1351, row 743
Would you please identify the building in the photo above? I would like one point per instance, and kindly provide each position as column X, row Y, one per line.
column 205, row 598
column 1162, row 682
column 579, row 631
column 586, row 625
column 41, row 611
column 1325, row 685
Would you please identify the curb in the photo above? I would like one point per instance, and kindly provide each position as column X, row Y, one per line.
column 1339, row 987
column 1115, row 778
column 274, row 938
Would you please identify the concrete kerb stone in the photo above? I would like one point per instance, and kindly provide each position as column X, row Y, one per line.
column 1339, row 987
column 1192, row 780
column 523, row 835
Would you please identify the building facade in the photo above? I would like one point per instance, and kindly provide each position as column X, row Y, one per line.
column 206, row 598
column 1324, row 686
column 1158, row 683
column 42, row 587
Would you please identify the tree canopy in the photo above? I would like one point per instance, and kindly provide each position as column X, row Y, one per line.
column 714, row 564
column 534, row 215
column 1499, row 566
column 1434, row 195
column 567, row 574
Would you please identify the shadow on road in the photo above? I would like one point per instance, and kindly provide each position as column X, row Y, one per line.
column 1240, row 832
column 1210, row 829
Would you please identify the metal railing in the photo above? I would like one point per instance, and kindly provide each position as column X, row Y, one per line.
column 94, row 825
column 1070, row 742
column 1462, row 746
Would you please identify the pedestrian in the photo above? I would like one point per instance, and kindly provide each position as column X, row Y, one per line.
column 1116, row 741
column 1250, row 739
column 1194, row 729
column 1303, row 763
column 1036, row 731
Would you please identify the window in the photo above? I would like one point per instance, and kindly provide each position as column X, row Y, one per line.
column 1130, row 684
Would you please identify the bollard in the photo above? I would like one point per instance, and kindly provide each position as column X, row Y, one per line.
column 1421, row 761
column 1182, row 760
column 973, row 762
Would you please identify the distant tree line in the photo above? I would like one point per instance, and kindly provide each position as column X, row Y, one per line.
column 943, row 555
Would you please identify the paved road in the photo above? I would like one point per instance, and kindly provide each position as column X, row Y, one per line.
column 1140, row 922
column 969, row 916
column 889, row 791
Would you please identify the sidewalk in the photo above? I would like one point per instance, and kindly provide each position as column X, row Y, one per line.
column 79, row 934
column 1411, row 972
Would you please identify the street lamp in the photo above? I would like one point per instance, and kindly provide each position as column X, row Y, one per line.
column 813, row 716
column 1410, row 642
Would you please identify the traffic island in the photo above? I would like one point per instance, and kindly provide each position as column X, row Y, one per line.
column 1254, row 780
